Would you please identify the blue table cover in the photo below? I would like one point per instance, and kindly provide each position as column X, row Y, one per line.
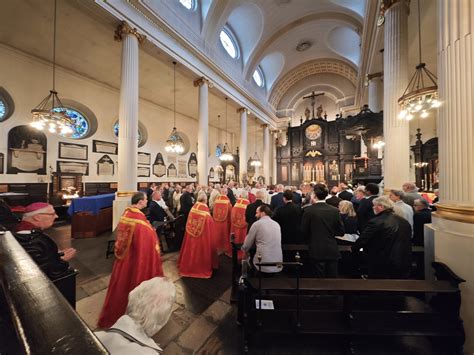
column 91, row 204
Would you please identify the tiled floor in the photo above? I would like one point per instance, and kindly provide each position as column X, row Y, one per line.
column 201, row 304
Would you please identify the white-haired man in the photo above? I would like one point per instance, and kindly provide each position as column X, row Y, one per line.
column 148, row 310
column 387, row 241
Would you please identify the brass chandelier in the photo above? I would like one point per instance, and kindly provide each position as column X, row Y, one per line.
column 226, row 152
column 50, row 112
column 255, row 160
column 174, row 143
column 421, row 94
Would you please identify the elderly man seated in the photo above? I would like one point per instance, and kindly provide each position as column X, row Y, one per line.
column 148, row 310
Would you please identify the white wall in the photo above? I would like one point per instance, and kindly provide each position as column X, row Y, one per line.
column 28, row 81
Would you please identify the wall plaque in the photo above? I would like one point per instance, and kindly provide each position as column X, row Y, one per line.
column 72, row 151
column 26, row 151
column 192, row 165
column 105, row 166
column 159, row 167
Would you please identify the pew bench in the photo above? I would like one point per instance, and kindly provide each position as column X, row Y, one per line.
column 354, row 309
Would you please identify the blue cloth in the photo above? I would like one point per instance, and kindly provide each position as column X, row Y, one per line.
column 91, row 204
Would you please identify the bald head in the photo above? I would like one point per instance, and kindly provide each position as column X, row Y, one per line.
column 259, row 195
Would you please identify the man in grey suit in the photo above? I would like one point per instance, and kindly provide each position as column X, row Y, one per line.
column 320, row 224
column 266, row 236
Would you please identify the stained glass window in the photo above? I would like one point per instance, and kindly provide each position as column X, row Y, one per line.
column 229, row 43
column 188, row 4
column 116, row 132
column 81, row 123
column 3, row 109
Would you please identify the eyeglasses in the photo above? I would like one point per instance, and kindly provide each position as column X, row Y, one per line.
column 49, row 214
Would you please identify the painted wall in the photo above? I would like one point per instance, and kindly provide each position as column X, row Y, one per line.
column 28, row 81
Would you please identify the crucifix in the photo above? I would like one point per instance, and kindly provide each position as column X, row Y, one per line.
column 313, row 101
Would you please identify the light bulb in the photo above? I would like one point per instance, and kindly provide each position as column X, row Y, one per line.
column 409, row 117
column 402, row 114
column 436, row 103
column 424, row 114
column 418, row 107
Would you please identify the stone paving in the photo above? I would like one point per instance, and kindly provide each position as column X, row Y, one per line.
column 201, row 304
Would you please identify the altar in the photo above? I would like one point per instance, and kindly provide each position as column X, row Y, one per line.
column 319, row 150
column 91, row 215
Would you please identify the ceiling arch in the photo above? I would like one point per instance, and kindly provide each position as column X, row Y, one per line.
column 349, row 20
column 332, row 66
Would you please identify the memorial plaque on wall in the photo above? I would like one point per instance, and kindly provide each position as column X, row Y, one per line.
column 26, row 151
column 182, row 169
column 72, row 167
column 211, row 173
column 105, row 166
column 159, row 167
column 192, row 165
column 104, row 147
column 143, row 171
column 1, row 163
column 72, row 151
column 172, row 172
column 144, row 158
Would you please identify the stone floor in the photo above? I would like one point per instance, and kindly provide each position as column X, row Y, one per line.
column 201, row 305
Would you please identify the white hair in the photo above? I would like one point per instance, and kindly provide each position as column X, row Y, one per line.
column 202, row 197
column 383, row 201
column 244, row 194
column 150, row 304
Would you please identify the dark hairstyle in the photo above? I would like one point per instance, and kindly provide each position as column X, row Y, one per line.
column 265, row 209
column 372, row 188
column 288, row 195
column 321, row 191
column 137, row 197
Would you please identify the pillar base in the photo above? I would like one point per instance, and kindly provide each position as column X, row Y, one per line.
column 454, row 246
column 121, row 202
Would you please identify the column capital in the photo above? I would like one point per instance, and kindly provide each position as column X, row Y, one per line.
column 125, row 29
column 374, row 75
column 202, row 81
column 264, row 125
column 243, row 109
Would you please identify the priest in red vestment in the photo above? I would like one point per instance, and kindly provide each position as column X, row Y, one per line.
column 198, row 255
column 238, row 223
column 221, row 214
column 137, row 259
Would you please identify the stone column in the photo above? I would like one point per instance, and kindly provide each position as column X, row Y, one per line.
column 266, row 153
column 203, row 130
column 375, row 92
column 395, row 63
column 128, row 118
column 274, row 157
column 451, row 233
column 243, row 155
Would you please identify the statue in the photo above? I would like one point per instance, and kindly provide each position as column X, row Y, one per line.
column 319, row 111
column 307, row 112
column 333, row 171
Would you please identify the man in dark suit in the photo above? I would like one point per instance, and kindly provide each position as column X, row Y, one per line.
column 186, row 201
column 334, row 200
column 421, row 216
column 365, row 211
column 320, row 224
column 288, row 217
column 387, row 242
column 158, row 210
column 252, row 209
column 230, row 193
column 277, row 198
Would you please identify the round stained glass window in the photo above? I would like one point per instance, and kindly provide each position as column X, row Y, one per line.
column 81, row 125
column 116, row 133
column 3, row 109
column 229, row 43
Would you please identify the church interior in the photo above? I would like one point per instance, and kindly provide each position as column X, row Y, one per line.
column 102, row 99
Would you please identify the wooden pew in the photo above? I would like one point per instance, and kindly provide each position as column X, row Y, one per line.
column 36, row 318
column 352, row 309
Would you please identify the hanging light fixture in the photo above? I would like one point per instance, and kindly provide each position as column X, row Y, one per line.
column 226, row 152
column 421, row 94
column 50, row 113
column 174, row 143
column 255, row 160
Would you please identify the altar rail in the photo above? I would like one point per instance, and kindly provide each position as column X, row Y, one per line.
column 42, row 320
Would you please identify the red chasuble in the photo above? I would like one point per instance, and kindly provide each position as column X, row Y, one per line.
column 238, row 224
column 198, row 254
column 221, row 214
column 137, row 259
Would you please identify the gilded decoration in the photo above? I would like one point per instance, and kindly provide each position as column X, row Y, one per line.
column 201, row 81
column 456, row 213
column 125, row 29
column 313, row 132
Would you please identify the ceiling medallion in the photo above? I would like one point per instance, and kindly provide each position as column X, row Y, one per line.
column 302, row 46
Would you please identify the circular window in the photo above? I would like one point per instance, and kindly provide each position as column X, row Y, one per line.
column 188, row 4
column 229, row 43
column 142, row 134
column 6, row 105
column 258, row 77
column 81, row 127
